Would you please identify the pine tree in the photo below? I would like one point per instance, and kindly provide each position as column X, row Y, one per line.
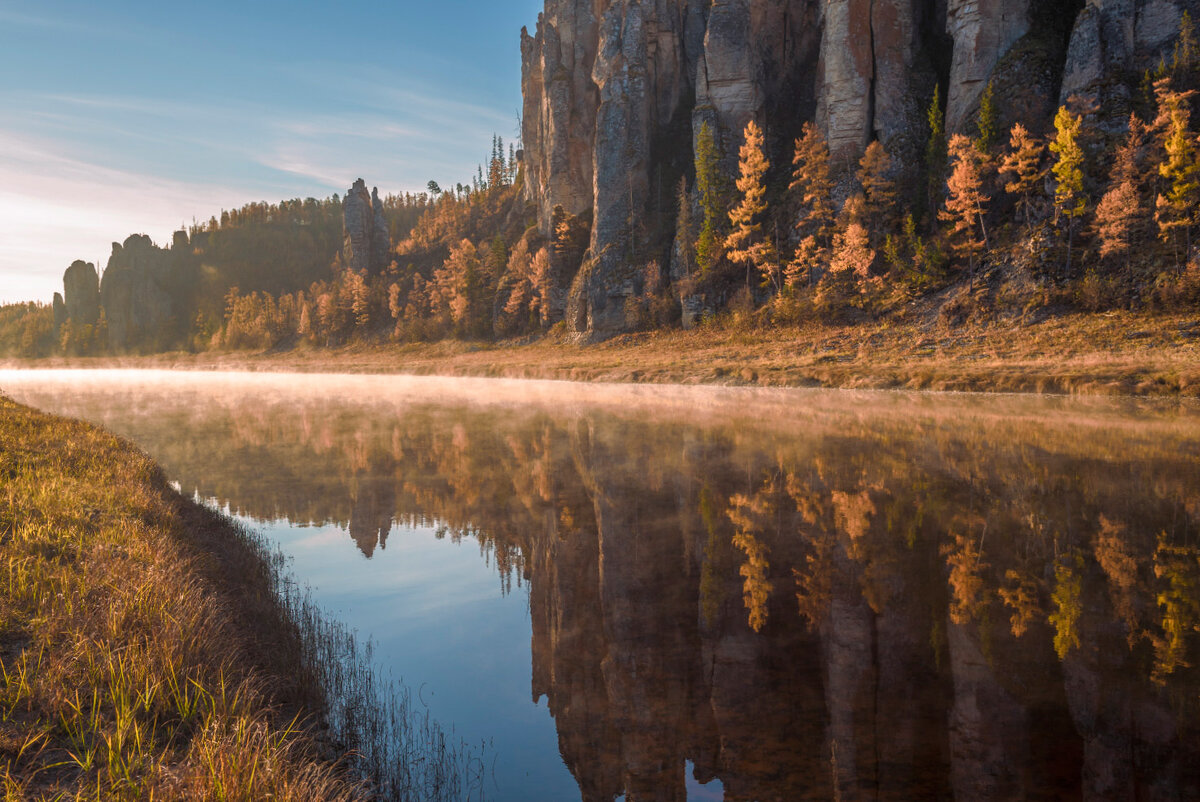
column 746, row 242
column 965, row 202
column 935, row 149
column 812, row 184
column 709, row 185
column 986, row 121
column 1069, row 198
column 1024, row 164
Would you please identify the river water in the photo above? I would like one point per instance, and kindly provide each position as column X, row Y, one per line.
column 670, row 593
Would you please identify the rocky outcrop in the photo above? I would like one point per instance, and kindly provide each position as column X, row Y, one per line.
column 59, row 309
column 366, row 246
column 81, row 290
column 983, row 32
column 134, row 295
column 616, row 90
column 1114, row 39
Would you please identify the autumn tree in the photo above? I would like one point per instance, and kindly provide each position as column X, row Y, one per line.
column 1069, row 198
column 747, row 243
column 965, row 202
column 1176, row 207
column 812, row 185
column 1120, row 210
column 852, row 244
column 879, row 188
column 1023, row 165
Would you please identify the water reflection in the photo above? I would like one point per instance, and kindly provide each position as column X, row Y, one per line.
column 803, row 595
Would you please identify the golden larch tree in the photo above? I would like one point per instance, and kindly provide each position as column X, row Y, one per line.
column 1176, row 207
column 747, row 243
column 1023, row 165
column 1069, row 198
column 966, row 204
column 812, row 185
column 879, row 188
column 1120, row 210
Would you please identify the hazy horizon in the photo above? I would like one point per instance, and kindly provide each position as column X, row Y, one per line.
column 138, row 118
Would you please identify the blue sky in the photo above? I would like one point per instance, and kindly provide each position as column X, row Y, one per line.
column 130, row 117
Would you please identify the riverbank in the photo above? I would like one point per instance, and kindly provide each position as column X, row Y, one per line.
column 1119, row 353
column 145, row 651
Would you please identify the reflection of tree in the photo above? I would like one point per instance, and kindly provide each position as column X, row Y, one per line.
column 636, row 539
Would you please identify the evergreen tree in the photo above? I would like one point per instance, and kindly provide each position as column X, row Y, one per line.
column 1024, row 164
column 747, row 243
column 708, row 184
column 935, row 150
column 1069, row 198
column 986, row 121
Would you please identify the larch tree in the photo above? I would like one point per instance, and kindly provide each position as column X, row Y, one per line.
column 1023, row 165
column 1176, row 207
column 812, row 185
column 966, row 204
column 879, row 188
column 852, row 243
column 1069, row 198
column 1120, row 210
column 747, row 243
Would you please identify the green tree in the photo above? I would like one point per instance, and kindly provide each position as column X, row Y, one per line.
column 1069, row 198
column 935, row 150
column 986, row 121
column 709, row 185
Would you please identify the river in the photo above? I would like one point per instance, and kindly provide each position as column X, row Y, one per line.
column 670, row 593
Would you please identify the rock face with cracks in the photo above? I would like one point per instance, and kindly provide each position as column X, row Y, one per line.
column 367, row 245
column 615, row 92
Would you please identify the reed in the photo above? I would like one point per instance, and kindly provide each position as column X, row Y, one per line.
column 152, row 649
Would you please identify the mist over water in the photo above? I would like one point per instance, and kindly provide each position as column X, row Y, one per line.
column 692, row 592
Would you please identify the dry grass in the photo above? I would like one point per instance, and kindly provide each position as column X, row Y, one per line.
column 1102, row 354
column 146, row 653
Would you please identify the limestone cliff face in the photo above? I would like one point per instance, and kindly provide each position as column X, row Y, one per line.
column 615, row 91
column 81, row 293
column 367, row 246
column 134, row 294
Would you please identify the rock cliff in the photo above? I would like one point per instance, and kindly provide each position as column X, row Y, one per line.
column 81, row 293
column 367, row 246
column 615, row 92
column 134, row 293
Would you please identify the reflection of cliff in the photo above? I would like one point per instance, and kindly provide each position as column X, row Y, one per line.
column 890, row 611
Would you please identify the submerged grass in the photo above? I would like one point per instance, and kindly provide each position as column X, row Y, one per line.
column 152, row 649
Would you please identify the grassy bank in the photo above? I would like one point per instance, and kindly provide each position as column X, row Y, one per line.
column 151, row 649
column 1112, row 353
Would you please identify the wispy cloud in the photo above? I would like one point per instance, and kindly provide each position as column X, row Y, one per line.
column 55, row 208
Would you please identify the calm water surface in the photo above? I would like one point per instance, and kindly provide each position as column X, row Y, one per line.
column 674, row 593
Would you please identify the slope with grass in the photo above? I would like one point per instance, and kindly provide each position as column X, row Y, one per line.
column 144, row 651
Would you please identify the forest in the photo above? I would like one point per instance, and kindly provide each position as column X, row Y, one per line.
column 1092, row 214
